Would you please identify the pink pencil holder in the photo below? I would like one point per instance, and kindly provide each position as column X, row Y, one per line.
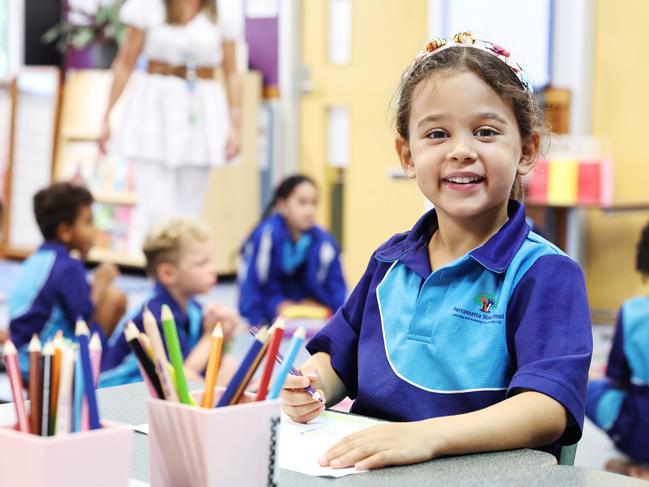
column 99, row 458
column 198, row 447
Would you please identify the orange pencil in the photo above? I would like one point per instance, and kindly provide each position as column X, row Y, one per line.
column 278, row 334
column 54, row 387
column 35, row 384
column 216, row 345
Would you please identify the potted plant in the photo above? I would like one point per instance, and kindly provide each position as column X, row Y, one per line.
column 88, row 39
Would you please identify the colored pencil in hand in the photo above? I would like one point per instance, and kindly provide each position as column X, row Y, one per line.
column 83, row 337
column 16, row 383
column 294, row 347
column 147, row 368
column 278, row 334
column 175, row 353
column 162, row 365
column 244, row 366
column 35, row 385
column 216, row 348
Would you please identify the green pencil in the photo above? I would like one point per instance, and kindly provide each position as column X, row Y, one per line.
column 175, row 354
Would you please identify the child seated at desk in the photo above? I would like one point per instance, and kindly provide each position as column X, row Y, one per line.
column 288, row 259
column 52, row 290
column 179, row 257
column 470, row 332
column 619, row 403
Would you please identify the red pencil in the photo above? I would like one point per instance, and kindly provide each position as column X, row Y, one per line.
column 278, row 334
column 35, row 385
column 16, row 382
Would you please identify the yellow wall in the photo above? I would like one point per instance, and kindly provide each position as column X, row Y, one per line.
column 385, row 37
column 620, row 107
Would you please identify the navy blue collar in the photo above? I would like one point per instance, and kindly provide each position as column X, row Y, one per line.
column 496, row 254
column 162, row 293
column 57, row 247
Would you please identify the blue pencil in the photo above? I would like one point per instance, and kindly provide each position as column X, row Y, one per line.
column 78, row 394
column 83, row 335
column 246, row 363
column 293, row 349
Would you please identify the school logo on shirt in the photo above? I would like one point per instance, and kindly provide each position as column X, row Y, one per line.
column 481, row 310
column 487, row 302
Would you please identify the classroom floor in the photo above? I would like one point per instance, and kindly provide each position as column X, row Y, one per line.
column 594, row 448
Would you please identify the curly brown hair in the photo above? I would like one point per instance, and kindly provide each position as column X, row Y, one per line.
column 489, row 68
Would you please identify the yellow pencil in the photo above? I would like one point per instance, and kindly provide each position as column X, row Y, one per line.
column 216, row 346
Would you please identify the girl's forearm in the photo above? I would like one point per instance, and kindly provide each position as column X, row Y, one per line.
column 232, row 83
column 529, row 419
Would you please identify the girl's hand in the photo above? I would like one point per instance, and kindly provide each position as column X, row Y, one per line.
column 296, row 402
column 382, row 445
column 104, row 137
column 232, row 145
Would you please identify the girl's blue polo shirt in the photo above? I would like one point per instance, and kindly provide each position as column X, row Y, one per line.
column 510, row 315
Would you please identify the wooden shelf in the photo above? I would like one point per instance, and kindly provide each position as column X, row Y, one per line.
column 113, row 198
column 118, row 258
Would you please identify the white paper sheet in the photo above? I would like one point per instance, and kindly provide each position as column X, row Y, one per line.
column 301, row 445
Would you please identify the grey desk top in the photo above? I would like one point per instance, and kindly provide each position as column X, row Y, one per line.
column 127, row 404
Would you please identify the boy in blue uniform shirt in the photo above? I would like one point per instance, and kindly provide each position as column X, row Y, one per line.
column 179, row 257
column 470, row 332
column 619, row 403
column 52, row 290
column 288, row 259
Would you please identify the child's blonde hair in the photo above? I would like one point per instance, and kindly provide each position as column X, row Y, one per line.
column 167, row 241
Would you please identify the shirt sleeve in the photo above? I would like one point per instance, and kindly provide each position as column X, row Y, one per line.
column 339, row 337
column 230, row 21
column 74, row 294
column 324, row 277
column 137, row 13
column 618, row 366
column 550, row 338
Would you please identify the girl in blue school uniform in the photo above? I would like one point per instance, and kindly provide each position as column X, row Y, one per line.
column 469, row 332
column 288, row 259
column 619, row 402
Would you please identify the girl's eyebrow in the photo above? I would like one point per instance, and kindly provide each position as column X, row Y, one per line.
column 433, row 117
column 490, row 116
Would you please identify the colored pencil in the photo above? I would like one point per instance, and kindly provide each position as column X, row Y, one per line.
column 293, row 371
column 95, row 350
column 64, row 402
column 48, row 352
column 216, row 347
column 88, row 386
column 54, row 381
column 251, row 371
column 175, row 353
column 160, row 356
column 278, row 334
column 79, row 405
column 294, row 348
column 35, row 385
column 246, row 363
column 147, row 368
column 16, row 383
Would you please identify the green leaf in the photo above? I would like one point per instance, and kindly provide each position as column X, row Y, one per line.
column 82, row 38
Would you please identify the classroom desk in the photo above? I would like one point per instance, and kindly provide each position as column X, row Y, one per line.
column 521, row 468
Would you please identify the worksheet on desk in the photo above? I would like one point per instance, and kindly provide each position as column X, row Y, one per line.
column 301, row 445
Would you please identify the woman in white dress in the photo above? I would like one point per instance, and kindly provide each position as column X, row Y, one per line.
column 178, row 121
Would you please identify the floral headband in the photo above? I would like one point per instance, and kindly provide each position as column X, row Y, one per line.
column 467, row 39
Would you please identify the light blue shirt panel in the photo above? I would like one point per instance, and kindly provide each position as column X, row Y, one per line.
column 195, row 316
column 635, row 322
column 36, row 269
column 438, row 337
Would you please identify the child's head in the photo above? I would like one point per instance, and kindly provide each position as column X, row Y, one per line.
column 296, row 199
column 64, row 214
column 467, row 125
column 179, row 254
column 642, row 255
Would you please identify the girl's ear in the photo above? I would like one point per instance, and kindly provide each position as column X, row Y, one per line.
column 402, row 147
column 529, row 154
column 64, row 232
